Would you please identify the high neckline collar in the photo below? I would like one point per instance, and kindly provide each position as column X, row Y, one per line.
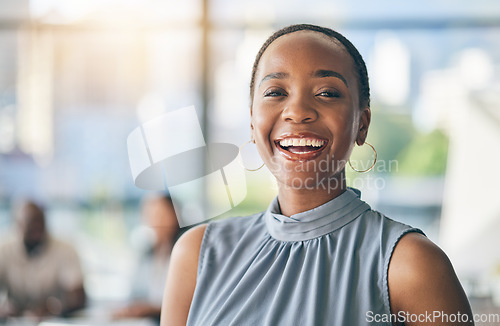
column 316, row 222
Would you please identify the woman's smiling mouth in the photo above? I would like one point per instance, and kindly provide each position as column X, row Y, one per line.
column 300, row 147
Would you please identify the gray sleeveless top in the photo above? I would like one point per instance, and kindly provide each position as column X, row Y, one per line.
column 325, row 266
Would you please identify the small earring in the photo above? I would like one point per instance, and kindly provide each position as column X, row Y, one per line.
column 374, row 161
column 240, row 159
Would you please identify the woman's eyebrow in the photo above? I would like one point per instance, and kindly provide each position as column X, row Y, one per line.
column 329, row 73
column 322, row 73
column 274, row 75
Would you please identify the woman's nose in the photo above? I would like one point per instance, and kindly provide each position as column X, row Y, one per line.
column 299, row 110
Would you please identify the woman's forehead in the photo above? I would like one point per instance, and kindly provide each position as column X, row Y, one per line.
column 305, row 47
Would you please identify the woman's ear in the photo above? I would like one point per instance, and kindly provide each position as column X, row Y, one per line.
column 364, row 123
column 252, row 130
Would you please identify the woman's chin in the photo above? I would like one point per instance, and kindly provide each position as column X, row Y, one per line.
column 304, row 181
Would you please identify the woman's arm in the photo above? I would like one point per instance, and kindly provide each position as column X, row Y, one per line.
column 181, row 277
column 423, row 285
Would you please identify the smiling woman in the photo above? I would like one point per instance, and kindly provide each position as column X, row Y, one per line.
column 319, row 255
column 316, row 98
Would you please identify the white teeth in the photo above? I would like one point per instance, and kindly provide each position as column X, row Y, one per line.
column 301, row 142
column 285, row 142
column 319, row 143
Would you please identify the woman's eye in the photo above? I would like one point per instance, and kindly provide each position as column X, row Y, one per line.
column 273, row 93
column 328, row 94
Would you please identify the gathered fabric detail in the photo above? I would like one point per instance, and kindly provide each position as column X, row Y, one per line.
column 316, row 222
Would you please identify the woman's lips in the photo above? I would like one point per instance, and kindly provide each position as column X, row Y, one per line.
column 300, row 147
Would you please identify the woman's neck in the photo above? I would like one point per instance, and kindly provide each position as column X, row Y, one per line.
column 296, row 200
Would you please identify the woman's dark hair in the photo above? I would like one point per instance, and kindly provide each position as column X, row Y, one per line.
column 359, row 63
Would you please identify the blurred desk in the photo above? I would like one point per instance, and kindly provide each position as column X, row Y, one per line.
column 94, row 322
column 82, row 321
column 98, row 313
column 94, row 316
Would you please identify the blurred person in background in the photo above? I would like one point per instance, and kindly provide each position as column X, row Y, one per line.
column 149, row 277
column 40, row 274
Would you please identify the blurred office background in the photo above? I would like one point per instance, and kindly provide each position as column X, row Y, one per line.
column 76, row 77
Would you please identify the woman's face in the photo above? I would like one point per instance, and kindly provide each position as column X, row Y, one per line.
column 306, row 115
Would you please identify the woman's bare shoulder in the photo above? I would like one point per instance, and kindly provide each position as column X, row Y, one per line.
column 422, row 279
column 181, row 278
column 190, row 242
column 415, row 254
